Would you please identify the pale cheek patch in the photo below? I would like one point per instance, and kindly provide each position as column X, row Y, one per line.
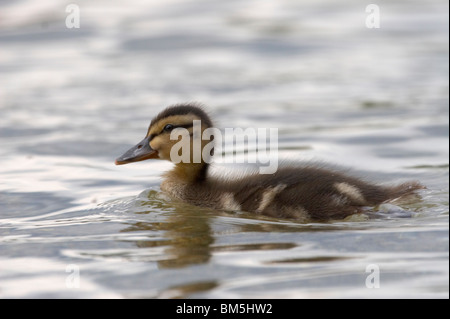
column 268, row 196
column 351, row 192
column 156, row 142
column 163, row 148
column 228, row 202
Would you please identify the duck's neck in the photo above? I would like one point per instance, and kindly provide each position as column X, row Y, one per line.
column 189, row 172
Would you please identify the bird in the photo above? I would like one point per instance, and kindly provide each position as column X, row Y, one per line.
column 305, row 193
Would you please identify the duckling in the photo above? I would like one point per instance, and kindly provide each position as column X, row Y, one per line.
column 306, row 193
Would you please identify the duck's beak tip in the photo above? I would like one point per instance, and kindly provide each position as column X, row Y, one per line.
column 140, row 152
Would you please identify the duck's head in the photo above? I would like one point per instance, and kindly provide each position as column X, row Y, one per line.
column 173, row 121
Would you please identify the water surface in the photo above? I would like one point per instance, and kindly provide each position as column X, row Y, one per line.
column 374, row 101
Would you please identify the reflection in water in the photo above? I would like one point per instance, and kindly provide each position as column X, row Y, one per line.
column 187, row 236
column 317, row 259
column 181, row 291
column 187, row 232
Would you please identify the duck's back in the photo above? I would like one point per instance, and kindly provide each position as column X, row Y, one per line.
column 308, row 193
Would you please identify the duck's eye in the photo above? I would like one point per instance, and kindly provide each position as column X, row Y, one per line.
column 168, row 128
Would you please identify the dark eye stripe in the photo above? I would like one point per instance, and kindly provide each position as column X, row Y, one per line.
column 152, row 136
column 177, row 126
